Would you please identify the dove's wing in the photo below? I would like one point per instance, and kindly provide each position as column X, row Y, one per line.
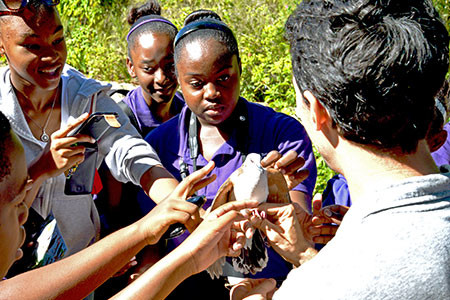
column 224, row 195
column 278, row 188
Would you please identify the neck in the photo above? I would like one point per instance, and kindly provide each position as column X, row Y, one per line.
column 365, row 169
column 36, row 101
column 161, row 110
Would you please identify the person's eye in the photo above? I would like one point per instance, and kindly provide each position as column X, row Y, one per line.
column 149, row 70
column 58, row 41
column 224, row 78
column 32, row 46
column 196, row 84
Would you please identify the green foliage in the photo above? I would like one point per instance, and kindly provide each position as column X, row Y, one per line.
column 95, row 33
column 96, row 30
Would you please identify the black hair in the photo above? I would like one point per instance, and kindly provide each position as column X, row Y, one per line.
column 376, row 65
column 226, row 38
column 5, row 147
column 149, row 10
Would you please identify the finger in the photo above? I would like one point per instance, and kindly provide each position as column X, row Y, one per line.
column 322, row 239
column 250, row 288
column 323, row 230
column 70, row 126
column 66, row 153
column 270, row 159
column 185, row 187
column 297, row 178
column 202, row 183
column 290, row 162
column 70, row 141
column 317, row 203
column 230, row 206
column 265, row 287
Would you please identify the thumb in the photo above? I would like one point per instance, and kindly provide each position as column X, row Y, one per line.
column 265, row 287
column 317, row 203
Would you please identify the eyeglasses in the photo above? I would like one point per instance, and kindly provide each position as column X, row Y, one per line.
column 11, row 7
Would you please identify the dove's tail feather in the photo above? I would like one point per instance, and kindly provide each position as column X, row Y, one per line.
column 215, row 270
column 253, row 259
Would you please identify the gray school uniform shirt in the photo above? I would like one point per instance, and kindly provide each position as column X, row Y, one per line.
column 395, row 244
column 127, row 155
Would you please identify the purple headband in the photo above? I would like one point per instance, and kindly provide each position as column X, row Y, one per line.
column 148, row 21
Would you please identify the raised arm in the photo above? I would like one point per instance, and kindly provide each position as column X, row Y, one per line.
column 218, row 235
column 78, row 275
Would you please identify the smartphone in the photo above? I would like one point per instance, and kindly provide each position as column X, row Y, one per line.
column 97, row 124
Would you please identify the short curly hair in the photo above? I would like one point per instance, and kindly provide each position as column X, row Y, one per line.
column 376, row 65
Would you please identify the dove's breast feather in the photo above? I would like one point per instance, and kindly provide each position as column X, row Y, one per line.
column 278, row 189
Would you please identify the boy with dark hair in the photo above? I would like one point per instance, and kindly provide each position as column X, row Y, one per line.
column 366, row 73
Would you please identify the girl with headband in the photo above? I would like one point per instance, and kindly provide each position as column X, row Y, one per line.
column 150, row 60
column 219, row 125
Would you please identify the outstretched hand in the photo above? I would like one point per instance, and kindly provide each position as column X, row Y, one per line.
column 285, row 227
column 253, row 289
column 175, row 208
column 62, row 152
column 223, row 232
column 289, row 164
column 326, row 220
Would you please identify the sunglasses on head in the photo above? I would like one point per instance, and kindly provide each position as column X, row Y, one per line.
column 16, row 6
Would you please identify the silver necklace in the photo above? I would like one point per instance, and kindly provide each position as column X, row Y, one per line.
column 44, row 136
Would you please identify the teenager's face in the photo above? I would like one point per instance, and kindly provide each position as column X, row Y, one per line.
column 152, row 63
column 35, row 49
column 13, row 210
column 209, row 77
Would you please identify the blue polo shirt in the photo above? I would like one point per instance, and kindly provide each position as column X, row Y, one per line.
column 144, row 116
column 268, row 130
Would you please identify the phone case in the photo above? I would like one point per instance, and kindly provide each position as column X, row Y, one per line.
column 82, row 180
column 95, row 125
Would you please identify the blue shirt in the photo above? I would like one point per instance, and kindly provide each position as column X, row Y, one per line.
column 442, row 155
column 144, row 116
column 268, row 130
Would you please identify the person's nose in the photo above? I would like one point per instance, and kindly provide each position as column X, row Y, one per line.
column 49, row 55
column 210, row 91
column 160, row 77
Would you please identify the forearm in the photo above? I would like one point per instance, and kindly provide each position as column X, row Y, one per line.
column 78, row 275
column 158, row 183
column 160, row 280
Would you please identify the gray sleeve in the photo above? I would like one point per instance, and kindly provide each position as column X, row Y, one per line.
column 126, row 154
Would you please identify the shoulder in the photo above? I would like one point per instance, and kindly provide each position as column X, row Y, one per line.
column 265, row 114
column 76, row 83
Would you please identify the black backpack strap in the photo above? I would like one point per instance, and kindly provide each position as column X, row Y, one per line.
column 243, row 125
column 127, row 110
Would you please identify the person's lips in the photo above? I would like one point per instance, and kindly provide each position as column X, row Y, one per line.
column 214, row 109
column 51, row 72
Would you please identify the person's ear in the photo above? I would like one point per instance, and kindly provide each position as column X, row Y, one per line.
column 437, row 141
column 319, row 114
column 130, row 68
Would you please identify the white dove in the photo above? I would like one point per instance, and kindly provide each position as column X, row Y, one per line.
column 250, row 182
